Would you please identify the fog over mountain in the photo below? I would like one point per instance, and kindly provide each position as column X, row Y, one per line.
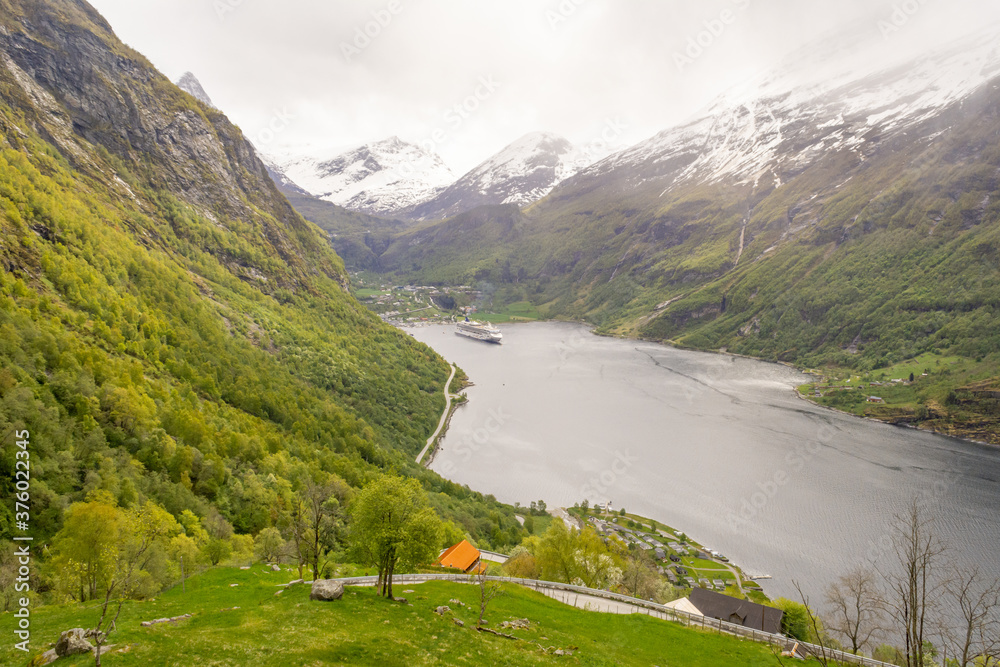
column 568, row 68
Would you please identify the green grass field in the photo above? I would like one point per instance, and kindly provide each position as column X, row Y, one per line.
column 248, row 624
column 520, row 311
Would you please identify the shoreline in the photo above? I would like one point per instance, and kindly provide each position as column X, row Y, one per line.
column 445, row 416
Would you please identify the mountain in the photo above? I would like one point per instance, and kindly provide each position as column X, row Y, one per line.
column 852, row 222
column 172, row 330
column 380, row 178
column 520, row 174
column 771, row 128
column 190, row 84
column 280, row 178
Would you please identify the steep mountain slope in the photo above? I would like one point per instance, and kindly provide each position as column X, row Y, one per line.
column 358, row 238
column 380, row 178
column 521, row 173
column 171, row 328
column 852, row 223
column 190, row 84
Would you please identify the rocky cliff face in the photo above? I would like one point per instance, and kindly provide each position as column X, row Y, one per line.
column 80, row 88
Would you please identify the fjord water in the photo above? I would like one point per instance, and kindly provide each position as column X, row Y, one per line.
column 718, row 446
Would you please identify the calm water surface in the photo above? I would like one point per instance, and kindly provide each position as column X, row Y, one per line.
column 717, row 446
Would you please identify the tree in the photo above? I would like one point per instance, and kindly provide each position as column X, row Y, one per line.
column 81, row 545
column 795, row 621
column 312, row 518
column 640, row 579
column 555, row 557
column 856, row 608
column 141, row 531
column 912, row 587
column 218, row 550
column 322, row 504
column 521, row 564
column 817, row 633
column 217, row 526
column 295, row 519
column 488, row 590
column 269, row 545
column 392, row 526
column 976, row 603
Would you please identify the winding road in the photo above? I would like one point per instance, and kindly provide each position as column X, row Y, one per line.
column 444, row 416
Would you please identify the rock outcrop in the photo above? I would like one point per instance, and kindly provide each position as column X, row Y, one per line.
column 326, row 590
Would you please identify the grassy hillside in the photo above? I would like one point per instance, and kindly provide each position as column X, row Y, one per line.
column 249, row 624
column 172, row 330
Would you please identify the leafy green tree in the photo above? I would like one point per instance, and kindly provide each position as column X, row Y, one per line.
column 555, row 553
column 269, row 546
column 142, row 532
column 393, row 526
column 640, row 578
column 217, row 550
column 82, row 561
column 795, row 621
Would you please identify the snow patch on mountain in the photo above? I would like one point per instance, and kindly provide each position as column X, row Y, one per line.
column 521, row 173
column 380, row 178
column 776, row 124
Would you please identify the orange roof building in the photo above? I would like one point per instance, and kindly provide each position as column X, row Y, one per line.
column 462, row 556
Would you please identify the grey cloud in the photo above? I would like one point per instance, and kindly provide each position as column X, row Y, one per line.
column 565, row 66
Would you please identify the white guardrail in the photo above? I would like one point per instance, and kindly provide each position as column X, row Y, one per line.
column 661, row 611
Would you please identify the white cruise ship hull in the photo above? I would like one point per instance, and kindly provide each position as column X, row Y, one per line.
column 491, row 335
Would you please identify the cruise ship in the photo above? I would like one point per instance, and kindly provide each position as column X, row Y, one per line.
column 483, row 331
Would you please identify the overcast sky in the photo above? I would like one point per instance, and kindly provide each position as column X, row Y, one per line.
column 624, row 69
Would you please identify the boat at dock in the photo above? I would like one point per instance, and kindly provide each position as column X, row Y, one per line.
column 483, row 331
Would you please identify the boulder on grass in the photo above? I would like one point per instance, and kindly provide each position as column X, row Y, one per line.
column 326, row 590
column 73, row 642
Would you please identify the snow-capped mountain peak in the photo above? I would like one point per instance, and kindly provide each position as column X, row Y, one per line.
column 784, row 121
column 541, row 154
column 380, row 178
column 521, row 173
column 190, row 84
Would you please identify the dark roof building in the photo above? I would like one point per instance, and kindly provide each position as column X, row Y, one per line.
column 739, row 612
